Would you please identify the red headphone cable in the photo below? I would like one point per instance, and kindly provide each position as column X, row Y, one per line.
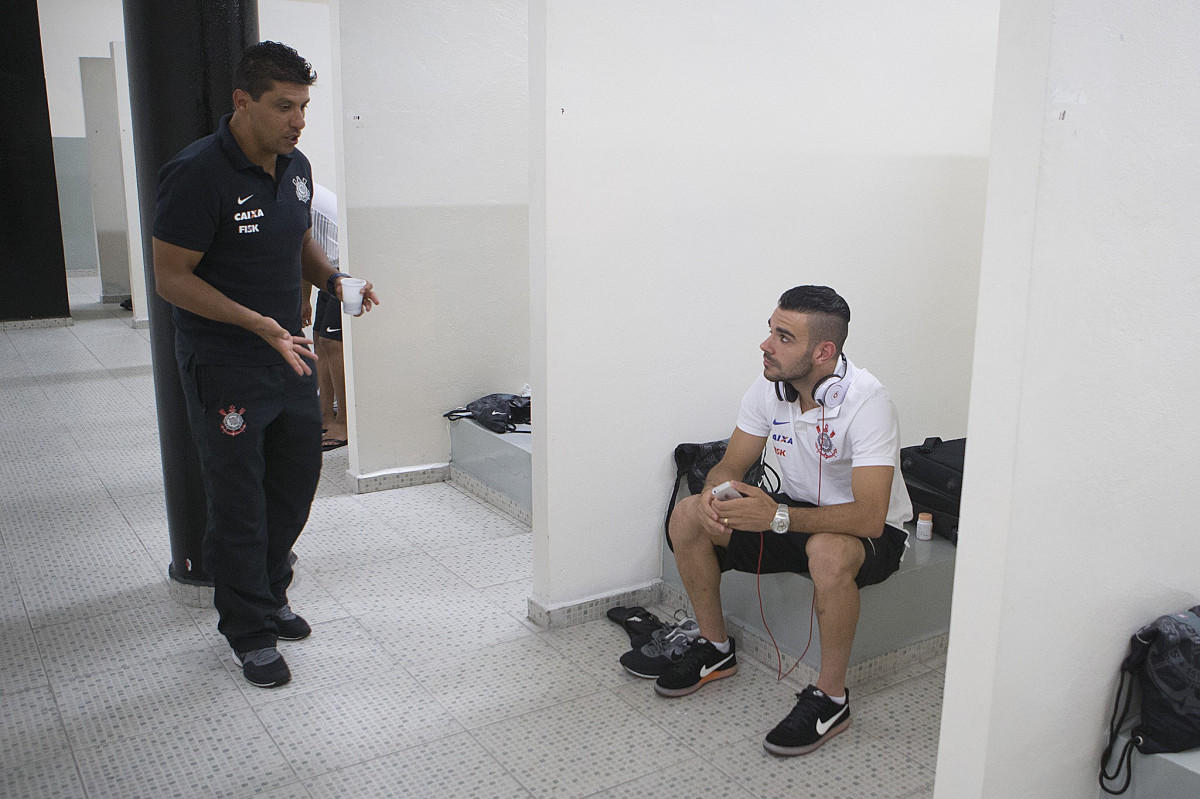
column 758, row 582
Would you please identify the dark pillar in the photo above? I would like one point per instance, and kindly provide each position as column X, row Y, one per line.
column 32, row 264
column 181, row 56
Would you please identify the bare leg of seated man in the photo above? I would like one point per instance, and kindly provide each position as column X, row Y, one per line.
column 712, row 656
column 823, row 710
column 833, row 562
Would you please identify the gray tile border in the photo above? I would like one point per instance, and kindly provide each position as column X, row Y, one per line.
column 588, row 610
column 490, row 495
column 36, row 324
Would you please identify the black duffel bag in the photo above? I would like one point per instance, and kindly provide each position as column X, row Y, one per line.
column 933, row 473
column 500, row 413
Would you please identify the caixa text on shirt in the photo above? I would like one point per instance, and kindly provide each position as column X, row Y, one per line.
column 243, row 216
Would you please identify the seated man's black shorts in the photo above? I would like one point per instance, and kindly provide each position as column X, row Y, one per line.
column 327, row 320
column 785, row 552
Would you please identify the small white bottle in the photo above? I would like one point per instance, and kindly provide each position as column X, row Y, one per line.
column 924, row 526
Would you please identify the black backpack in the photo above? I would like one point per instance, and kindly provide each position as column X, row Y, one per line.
column 1164, row 659
column 692, row 464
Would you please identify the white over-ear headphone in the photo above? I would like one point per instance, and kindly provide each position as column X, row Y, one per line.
column 830, row 390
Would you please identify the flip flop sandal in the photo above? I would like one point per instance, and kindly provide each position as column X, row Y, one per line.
column 638, row 622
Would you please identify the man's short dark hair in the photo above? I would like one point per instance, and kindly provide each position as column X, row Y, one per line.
column 266, row 63
column 828, row 314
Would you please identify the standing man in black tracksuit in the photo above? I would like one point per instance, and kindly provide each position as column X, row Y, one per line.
column 232, row 244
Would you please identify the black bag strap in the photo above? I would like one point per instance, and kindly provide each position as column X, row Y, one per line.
column 1139, row 648
column 671, row 507
column 1125, row 759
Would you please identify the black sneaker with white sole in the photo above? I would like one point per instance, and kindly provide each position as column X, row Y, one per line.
column 701, row 664
column 265, row 668
column 290, row 627
column 814, row 720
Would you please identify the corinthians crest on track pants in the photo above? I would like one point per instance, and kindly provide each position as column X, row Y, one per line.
column 258, row 434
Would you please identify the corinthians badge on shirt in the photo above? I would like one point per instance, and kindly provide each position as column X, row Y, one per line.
column 825, row 446
column 302, row 192
column 233, row 422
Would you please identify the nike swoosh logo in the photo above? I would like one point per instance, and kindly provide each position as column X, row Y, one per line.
column 707, row 670
column 333, row 330
column 776, row 421
column 243, row 199
column 823, row 726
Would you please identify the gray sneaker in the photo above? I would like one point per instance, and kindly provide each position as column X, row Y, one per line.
column 289, row 626
column 265, row 668
column 664, row 648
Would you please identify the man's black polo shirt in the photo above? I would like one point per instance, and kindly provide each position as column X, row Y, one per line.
column 250, row 228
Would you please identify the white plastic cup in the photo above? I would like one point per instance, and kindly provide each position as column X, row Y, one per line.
column 352, row 295
column 924, row 526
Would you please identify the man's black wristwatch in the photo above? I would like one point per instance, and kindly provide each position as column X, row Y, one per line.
column 331, row 283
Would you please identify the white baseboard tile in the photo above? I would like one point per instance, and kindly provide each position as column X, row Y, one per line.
column 398, row 478
column 591, row 609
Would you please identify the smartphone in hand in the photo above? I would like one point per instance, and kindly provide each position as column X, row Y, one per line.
column 726, row 491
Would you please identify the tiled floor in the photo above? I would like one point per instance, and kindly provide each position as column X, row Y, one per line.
column 422, row 677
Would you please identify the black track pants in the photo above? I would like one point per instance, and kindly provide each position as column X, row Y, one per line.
column 258, row 434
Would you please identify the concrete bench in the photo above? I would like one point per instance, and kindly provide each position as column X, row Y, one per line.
column 496, row 467
column 1161, row 776
column 903, row 620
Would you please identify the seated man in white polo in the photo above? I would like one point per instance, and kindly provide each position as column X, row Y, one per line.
column 839, row 515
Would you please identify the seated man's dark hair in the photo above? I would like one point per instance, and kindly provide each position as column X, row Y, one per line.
column 266, row 63
column 829, row 314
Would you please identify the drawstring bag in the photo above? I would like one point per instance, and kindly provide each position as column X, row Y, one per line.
column 500, row 413
column 693, row 463
column 1164, row 659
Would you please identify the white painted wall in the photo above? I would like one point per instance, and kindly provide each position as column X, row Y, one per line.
column 133, row 211
column 692, row 161
column 106, row 175
column 1077, row 529
column 434, row 141
column 72, row 29
column 77, row 28
column 305, row 25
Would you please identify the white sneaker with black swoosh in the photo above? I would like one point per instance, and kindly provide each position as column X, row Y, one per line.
column 701, row 664
column 814, row 720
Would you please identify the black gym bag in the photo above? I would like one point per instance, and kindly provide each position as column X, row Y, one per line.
column 933, row 474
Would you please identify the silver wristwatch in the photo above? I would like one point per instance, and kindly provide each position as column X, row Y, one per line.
column 782, row 520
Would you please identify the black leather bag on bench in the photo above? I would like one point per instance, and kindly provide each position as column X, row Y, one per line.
column 933, row 473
